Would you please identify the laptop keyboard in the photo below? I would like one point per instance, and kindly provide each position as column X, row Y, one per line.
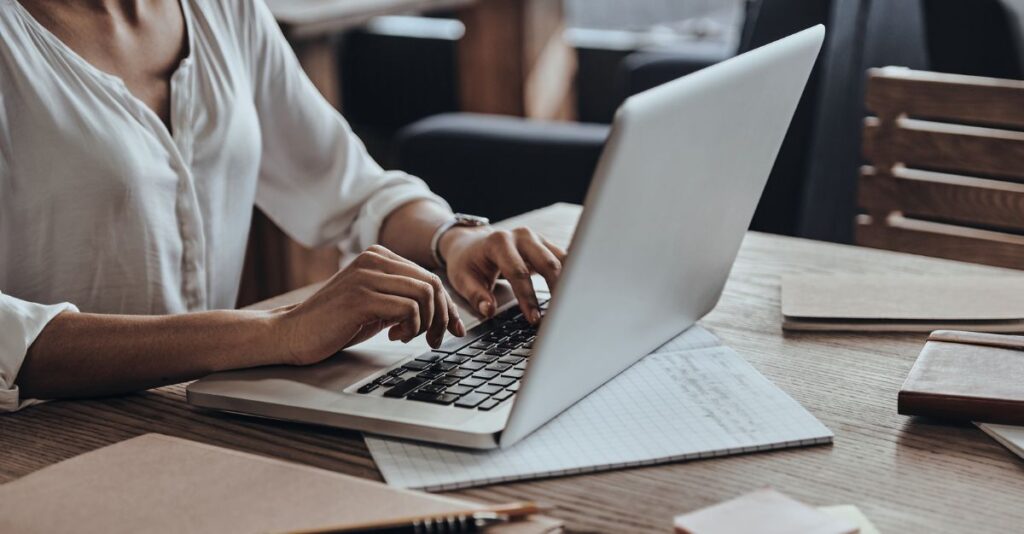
column 479, row 371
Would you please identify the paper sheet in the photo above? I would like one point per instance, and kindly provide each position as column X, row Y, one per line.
column 1011, row 437
column 693, row 398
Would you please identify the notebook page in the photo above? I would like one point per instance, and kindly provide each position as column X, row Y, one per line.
column 691, row 399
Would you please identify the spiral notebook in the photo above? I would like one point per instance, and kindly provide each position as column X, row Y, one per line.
column 693, row 398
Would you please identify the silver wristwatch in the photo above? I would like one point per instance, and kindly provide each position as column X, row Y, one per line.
column 459, row 219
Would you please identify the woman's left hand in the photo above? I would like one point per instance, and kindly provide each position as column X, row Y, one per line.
column 476, row 257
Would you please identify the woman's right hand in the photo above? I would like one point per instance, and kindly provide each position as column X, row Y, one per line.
column 378, row 290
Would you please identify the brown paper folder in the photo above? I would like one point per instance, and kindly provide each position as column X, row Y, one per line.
column 156, row 483
column 902, row 303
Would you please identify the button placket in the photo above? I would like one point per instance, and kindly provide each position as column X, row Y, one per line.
column 190, row 221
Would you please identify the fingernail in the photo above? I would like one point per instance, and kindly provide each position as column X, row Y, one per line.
column 484, row 307
column 460, row 327
column 534, row 315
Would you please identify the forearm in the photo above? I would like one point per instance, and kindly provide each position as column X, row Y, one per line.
column 84, row 355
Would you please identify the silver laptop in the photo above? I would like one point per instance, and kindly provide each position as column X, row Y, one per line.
column 670, row 202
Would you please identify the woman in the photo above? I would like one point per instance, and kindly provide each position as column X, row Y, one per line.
column 135, row 138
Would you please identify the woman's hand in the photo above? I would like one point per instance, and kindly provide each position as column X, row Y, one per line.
column 477, row 256
column 378, row 290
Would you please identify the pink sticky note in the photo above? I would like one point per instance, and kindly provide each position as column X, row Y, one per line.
column 764, row 511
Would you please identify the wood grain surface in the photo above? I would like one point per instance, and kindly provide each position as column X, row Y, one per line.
column 907, row 475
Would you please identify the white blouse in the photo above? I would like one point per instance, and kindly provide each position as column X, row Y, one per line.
column 103, row 209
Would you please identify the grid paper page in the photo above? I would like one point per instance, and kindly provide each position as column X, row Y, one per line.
column 690, row 399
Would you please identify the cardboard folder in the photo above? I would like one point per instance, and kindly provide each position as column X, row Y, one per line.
column 156, row 483
column 902, row 303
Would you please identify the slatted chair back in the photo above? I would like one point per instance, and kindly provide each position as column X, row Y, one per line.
column 946, row 166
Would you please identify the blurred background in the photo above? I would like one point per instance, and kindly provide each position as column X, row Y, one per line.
column 502, row 106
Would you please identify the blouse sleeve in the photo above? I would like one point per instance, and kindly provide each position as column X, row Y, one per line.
column 20, row 324
column 317, row 180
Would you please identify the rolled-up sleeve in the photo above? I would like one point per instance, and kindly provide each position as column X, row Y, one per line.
column 317, row 180
column 20, row 324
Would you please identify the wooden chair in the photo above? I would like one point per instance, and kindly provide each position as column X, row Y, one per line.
column 946, row 173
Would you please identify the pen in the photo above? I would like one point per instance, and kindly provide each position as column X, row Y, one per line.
column 464, row 521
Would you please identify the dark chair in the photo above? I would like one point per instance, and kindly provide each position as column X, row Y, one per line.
column 979, row 38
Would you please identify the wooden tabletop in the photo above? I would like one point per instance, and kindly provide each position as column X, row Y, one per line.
column 907, row 475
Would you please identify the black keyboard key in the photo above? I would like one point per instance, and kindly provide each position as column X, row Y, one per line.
column 521, row 366
column 444, row 366
column 455, row 358
column 488, row 404
column 433, row 387
column 482, row 345
column 448, row 380
column 472, row 382
column 485, row 374
column 388, row 381
column 499, row 367
column 514, row 387
column 368, row 388
column 405, row 387
column 488, row 389
column 502, row 381
column 472, row 366
column 512, row 360
column 513, row 373
column 458, row 390
column 471, row 400
column 499, row 351
column 431, row 357
column 459, row 373
column 436, row 398
column 398, row 371
column 502, row 395
column 430, row 374
column 485, row 359
column 416, row 365
column 470, row 352
column 453, row 344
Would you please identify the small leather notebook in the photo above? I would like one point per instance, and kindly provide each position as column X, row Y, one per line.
column 156, row 483
column 902, row 303
column 967, row 376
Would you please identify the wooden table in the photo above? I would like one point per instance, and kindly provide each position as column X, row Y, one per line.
column 907, row 475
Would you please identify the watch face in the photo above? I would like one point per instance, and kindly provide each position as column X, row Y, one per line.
column 470, row 220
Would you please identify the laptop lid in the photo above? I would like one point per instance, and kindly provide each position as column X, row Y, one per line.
column 670, row 202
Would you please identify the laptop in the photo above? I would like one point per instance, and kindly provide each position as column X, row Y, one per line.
column 669, row 204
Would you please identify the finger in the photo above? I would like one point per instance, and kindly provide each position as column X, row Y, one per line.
column 417, row 290
column 539, row 257
column 477, row 287
column 401, row 312
column 394, row 264
column 515, row 270
column 455, row 324
column 558, row 251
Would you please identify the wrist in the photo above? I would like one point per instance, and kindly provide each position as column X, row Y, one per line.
column 279, row 332
column 457, row 237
